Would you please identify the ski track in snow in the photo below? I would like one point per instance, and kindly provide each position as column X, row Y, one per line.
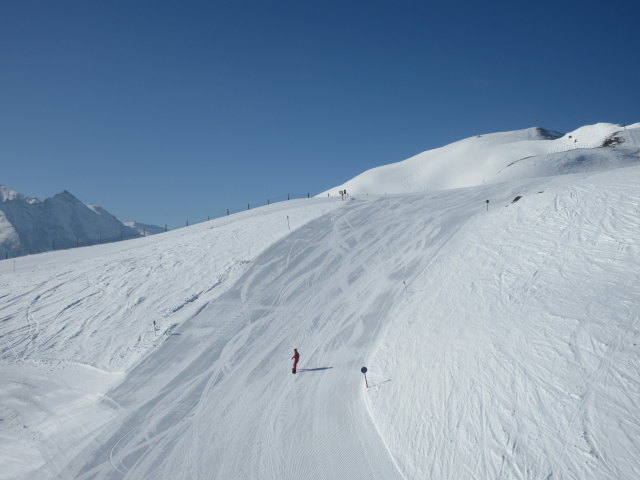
column 69, row 311
column 530, row 369
column 241, row 343
column 326, row 289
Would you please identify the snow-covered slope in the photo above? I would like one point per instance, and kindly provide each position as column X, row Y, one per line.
column 523, row 337
column 510, row 364
column 28, row 225
column 501, row 342
column 74, row 322
column 497, row 157
column 115, row 292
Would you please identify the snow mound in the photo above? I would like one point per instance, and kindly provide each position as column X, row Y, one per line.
column 485, row 158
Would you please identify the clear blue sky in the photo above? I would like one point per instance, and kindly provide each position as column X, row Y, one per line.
column 165, row 111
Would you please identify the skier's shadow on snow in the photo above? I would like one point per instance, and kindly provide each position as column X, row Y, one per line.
column 300, row 370
column 411, row 292
column 169, row 335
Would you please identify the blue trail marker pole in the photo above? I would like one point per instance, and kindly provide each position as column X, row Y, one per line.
column 364, row 371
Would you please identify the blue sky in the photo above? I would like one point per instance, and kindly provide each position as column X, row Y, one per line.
column 167, row 111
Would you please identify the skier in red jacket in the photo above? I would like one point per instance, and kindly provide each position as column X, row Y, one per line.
column 296, row 357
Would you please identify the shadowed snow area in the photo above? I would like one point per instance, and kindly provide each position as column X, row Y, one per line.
column 501, row 340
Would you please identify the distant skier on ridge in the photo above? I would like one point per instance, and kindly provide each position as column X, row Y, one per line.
column 296, row 357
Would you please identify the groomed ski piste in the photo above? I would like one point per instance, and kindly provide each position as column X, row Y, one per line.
column 502, row 340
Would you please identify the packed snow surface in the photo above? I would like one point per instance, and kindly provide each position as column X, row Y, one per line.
column 95, row 311
column 501, row 340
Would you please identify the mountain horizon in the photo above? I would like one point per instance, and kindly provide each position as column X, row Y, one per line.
column 29, row 225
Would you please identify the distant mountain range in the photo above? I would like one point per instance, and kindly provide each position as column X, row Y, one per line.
column 29, row 225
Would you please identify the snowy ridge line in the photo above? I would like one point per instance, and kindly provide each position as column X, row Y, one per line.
column 247, row 206
column 124, row 232
column 484, row 159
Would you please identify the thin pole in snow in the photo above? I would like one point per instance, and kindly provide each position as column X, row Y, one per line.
column 364, row 371
column 487, row 205
column 288, row 225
